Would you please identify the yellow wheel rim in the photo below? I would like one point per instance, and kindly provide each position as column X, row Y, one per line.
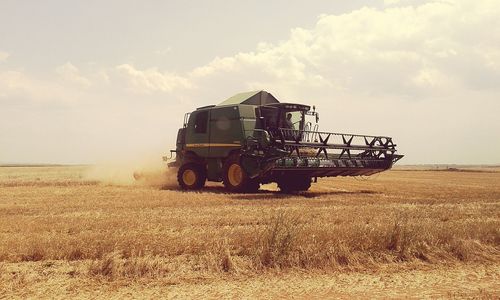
column 189, row 177
column 235, row 175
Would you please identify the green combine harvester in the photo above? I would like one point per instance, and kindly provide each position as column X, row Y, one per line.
column 252, row 139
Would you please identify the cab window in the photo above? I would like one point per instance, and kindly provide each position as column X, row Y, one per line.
column 294, row 122
column 200, row 122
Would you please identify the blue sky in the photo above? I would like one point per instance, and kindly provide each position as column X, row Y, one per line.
column 90, row 81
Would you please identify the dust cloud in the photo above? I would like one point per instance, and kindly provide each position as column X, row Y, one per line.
column 151, row 171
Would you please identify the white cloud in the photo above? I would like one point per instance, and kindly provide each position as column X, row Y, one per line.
column 71, row 74
column 18, row 89
column 429, row 78
column 152, row 80
column 386, row 51
column 4, row 56
column 432, row 48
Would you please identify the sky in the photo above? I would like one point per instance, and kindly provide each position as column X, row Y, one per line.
column 93, row 81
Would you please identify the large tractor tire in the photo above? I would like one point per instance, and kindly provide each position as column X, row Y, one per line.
column 294, row 184
column 235, row 178
column 191, row 176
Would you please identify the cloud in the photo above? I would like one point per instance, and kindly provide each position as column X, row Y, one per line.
column 4, row 56
column 408, row 50
column 19, row 89
column 71, row 74
column 152, row 80
column 435, row 48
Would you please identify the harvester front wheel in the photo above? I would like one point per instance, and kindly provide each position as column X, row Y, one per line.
column 191, row 177
column 235, row 178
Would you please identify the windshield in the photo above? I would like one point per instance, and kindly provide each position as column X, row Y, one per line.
column 274, row 118
column 292, row 119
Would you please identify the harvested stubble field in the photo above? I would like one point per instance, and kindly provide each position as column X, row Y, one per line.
column 402, row 233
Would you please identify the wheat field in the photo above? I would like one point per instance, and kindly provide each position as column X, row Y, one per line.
column 403, row 233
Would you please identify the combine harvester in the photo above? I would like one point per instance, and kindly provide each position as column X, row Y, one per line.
column 252, row 139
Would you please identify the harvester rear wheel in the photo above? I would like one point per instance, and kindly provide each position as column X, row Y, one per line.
column 294, row 184
column 191, row 176
column 235, row 178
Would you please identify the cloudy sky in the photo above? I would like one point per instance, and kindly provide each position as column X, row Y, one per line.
column 90, row 81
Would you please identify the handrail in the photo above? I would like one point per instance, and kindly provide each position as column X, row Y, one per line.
column 333, row 133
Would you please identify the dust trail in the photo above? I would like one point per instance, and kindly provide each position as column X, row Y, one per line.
column 145, row 172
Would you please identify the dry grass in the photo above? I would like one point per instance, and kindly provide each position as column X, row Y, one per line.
column 138, row 233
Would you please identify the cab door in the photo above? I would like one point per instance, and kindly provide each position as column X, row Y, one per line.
column 197, row 137
column 226, row 131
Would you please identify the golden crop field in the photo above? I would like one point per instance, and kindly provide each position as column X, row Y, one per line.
column 404, row 233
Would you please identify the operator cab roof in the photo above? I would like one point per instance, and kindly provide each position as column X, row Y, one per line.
column 250, row 98
column 258, row 98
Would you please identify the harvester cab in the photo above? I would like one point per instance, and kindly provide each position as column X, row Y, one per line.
column 252, row 139
column 287, row 116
